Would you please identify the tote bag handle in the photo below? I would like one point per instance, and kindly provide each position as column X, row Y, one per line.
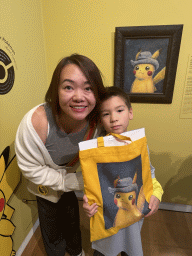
column 100, row 140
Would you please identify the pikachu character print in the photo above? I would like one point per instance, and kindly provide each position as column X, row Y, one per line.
column 124, row 202
column 129, row 209
column 144, row 67
column 9, row 179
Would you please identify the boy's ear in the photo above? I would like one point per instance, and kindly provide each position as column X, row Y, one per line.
column 130, row 113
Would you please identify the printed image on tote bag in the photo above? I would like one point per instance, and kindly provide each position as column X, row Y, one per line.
column 122, row 192
column 118, row 178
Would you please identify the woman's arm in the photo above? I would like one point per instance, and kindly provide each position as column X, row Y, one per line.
column 34, row 159
column 40, row 123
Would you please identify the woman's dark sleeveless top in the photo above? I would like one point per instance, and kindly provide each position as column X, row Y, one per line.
column 61, row 146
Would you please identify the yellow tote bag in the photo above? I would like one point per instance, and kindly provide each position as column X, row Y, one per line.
column 117, row 176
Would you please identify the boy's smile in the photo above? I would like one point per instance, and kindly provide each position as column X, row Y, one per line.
column 115, row 115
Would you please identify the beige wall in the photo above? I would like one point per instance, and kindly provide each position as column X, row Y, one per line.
column 21, row 27
column 87, row 27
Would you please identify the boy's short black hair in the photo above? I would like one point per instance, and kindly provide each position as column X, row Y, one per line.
column 115, row 91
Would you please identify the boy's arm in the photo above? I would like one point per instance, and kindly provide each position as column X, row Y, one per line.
column 157, row 189
column 90, row 210
column 155, row 198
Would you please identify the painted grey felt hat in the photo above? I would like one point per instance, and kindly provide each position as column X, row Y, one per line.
column 124, row 185
column 145, row 58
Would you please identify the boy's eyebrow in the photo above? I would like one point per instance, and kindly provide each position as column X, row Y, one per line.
column 115, row 108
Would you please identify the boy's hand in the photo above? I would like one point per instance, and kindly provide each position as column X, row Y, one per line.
column 153, row 205
column 90, row 210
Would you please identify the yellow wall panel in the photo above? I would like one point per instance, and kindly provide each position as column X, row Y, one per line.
column 39, row 33
column 22, row 39
column 87, row 27
column 21, row 29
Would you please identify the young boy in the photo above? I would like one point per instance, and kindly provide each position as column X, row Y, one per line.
column 115, row 113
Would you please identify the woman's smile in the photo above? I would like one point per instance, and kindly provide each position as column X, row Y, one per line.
column 76, row 97
column 78, row 108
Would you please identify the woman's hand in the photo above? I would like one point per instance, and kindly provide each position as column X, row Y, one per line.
column 153, row 205
column 90, row 210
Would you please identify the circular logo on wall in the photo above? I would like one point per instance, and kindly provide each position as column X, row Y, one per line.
column 7, row 73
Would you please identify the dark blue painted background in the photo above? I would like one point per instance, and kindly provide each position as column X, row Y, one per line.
column 132, row 47
column 107, row 173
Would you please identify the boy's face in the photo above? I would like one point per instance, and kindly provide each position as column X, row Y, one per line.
column 115, row 115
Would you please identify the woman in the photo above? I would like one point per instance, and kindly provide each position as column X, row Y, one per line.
column 47, row 145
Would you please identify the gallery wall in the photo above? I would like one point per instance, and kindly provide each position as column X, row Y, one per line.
column 37, row 34
column 87, row 27
column 22, row 39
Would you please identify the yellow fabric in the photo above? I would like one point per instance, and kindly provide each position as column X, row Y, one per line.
column 157, row 189
column 113, row 154
column 121, row 137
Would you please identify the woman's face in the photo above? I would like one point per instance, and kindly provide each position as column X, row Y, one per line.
column 76, row 97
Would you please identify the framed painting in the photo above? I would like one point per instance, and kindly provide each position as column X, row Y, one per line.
column 146, row 60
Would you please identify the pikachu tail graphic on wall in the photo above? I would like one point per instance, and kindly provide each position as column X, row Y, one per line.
column 145, row 65
column 9, row 179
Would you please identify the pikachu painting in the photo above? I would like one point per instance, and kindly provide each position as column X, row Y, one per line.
column 144, row 67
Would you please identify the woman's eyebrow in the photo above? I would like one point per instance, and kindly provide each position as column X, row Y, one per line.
column 68, row 80
column 71, row 81
column 87, row 82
